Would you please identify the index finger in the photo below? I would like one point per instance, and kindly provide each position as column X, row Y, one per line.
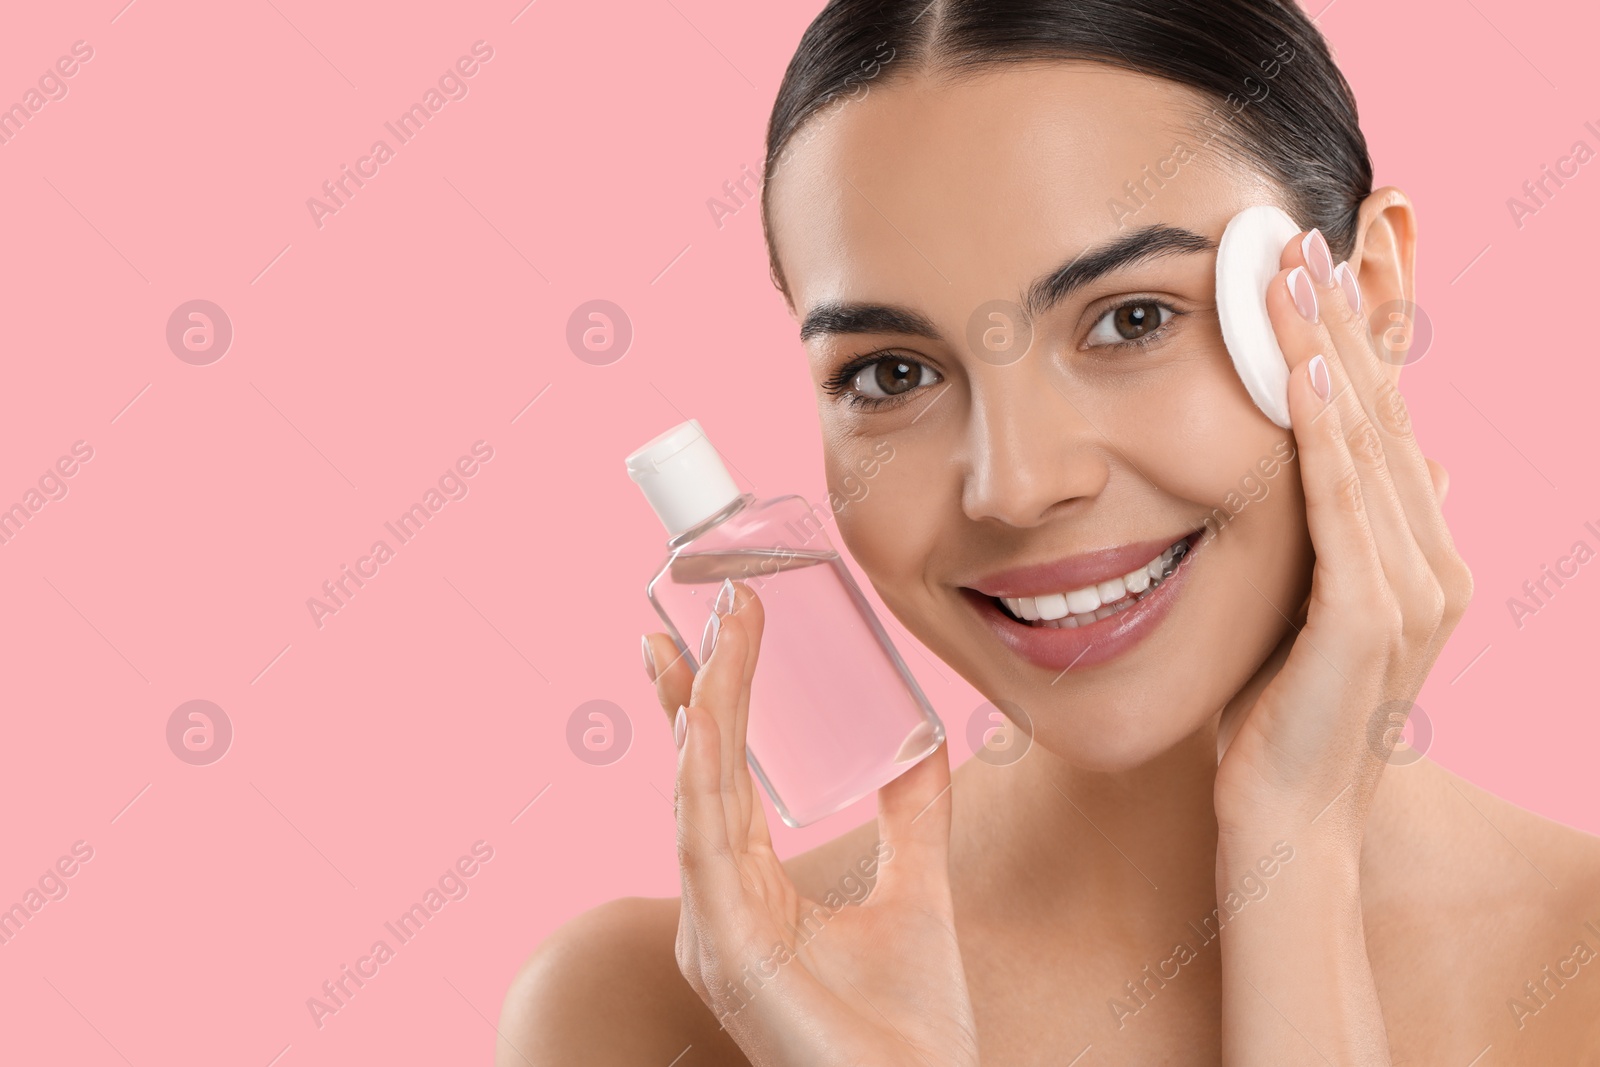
column 1340, row 304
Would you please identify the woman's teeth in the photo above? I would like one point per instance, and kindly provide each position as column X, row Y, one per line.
column 1080, row 607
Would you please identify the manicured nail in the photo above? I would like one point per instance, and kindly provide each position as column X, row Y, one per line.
column 1305, row 300
column 1319, row 377
column 724, row 602
column 1347, row 282
column 680, row 727
column 1319, row 261
column 649, row 656
column 708, row 639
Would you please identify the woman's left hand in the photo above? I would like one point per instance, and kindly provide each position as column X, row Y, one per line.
column 1302, row 766
column 1387, row 588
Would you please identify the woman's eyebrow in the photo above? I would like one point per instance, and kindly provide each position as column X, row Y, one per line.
column 836, row 317
column 1136, row 247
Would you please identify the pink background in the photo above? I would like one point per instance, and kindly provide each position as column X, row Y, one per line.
column 368, row 354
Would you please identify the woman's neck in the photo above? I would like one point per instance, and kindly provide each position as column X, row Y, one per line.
column 1052, row 840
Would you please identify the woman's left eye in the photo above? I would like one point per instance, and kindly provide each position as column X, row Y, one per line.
column 1133, row 323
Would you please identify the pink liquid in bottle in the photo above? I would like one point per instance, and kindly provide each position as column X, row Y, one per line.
column 834, row 713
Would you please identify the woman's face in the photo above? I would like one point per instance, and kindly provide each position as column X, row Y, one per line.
column 983, row 450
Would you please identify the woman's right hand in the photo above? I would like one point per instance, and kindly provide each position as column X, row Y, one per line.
column 795, row 983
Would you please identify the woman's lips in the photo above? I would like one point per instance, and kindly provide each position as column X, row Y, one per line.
column 1089, row 644
column 1073, row 572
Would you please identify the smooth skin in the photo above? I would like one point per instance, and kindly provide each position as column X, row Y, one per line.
column 1018, row 905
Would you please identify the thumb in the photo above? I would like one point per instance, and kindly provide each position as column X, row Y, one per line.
column 914, row 831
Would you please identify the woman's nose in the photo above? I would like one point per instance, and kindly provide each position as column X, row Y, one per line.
column 1031, row 451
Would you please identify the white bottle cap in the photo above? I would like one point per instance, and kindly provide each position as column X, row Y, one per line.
column 683, row 477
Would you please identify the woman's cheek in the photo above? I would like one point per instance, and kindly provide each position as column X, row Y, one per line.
column 1196, row 434
column 1273, row 526
column 884, row 513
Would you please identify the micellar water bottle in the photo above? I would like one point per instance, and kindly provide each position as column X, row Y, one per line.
column 834, row 713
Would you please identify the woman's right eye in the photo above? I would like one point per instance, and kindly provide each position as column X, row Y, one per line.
column 875, row 380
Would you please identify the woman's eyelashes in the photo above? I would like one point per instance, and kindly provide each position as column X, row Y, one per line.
column 1131, row 324
column 879, row 378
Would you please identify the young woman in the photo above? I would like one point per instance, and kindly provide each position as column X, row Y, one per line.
column 1205, row 856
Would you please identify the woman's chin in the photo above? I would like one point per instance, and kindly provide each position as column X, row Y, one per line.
column 1125, row 738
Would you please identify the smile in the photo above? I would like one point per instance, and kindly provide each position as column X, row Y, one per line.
column 1086, row 609
column 1080, row 607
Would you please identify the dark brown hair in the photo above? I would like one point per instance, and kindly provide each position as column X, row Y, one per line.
column 1302, row 131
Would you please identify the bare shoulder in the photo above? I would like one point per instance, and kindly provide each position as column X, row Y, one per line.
column 604, row 988
column 1486, row 920
column 1545, row 976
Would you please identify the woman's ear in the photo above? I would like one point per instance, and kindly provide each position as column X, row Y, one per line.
column 1384, row 259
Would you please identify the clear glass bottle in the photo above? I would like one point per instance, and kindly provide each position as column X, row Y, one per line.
column 834, row 713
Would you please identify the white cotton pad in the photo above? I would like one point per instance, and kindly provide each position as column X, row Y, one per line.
column 1247, row 260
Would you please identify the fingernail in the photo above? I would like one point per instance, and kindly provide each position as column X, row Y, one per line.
column 649, row 656
column 680, row 727
column 708, row 639
column 724, row 602
column 1347, row 282
column 1319, row 261
column 1319, row 377
column 1305, row 300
